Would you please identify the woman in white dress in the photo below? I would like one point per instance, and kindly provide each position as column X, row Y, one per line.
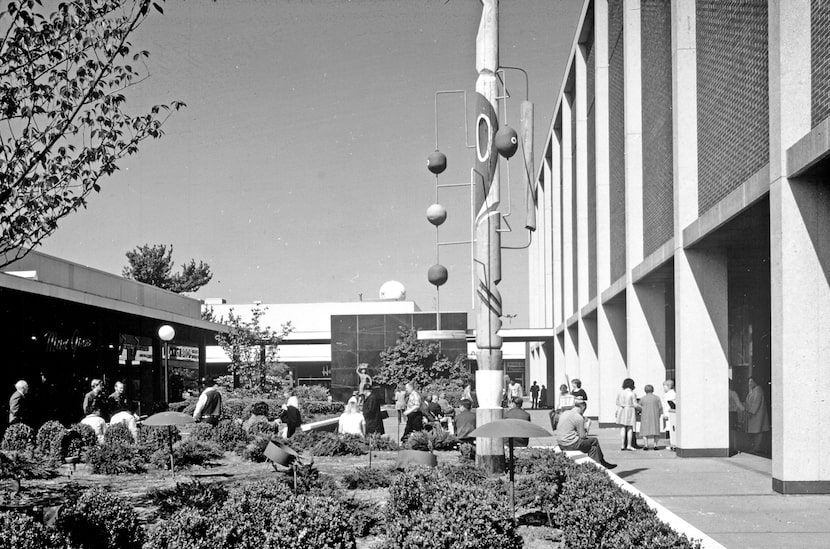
column 627, row 412
column 351, row 420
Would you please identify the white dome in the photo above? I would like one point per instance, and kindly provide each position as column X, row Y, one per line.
column 393, row 291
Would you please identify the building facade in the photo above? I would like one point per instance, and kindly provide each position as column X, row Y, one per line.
column 684, row 223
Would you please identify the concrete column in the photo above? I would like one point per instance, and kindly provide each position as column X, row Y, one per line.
column 645, row 309
column 589, row 362
column 571, row 353
column 558, row 367
column 568, row 238
column 700, row 277
column 611, row 349
column 547, row 263
column 800, row 263
column 553, row 158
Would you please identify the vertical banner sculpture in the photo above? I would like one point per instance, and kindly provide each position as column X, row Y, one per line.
column 487, row 246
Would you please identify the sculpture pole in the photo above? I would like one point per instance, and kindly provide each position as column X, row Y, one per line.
column 487, row 246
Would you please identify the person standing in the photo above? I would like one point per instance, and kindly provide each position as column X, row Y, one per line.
column 571, row 435
column 514, row 390
column 209, row 405
column 669, row 413
column 19, row 406
column 516, row 412
column 372, row 413
column 400, row 402
column 543, row 396
column 93, row 401
column 650, row 417
column 626, row 413
column 534, row 395
column 414, row 417
column 351, row 421
column 121, row 410
column 757, row 422
column 291, row 416
column 578, row 391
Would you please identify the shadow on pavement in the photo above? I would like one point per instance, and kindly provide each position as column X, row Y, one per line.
column 627, row 473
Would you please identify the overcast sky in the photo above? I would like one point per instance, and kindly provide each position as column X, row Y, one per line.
column 298, row 168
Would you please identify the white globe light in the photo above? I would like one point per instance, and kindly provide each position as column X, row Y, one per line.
column 166, row 332
column 393, row 291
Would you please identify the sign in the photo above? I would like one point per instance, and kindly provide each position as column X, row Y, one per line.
column 56, row 343
column 134, row 349
column 184, row 353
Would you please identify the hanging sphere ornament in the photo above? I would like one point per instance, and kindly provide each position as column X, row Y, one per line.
column 437, row 275
column 507, row 141
column 437, row 214
column 437, row 162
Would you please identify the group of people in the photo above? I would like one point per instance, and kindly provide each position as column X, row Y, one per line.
column 99, row 409
column 649, row 416
column 363, row 415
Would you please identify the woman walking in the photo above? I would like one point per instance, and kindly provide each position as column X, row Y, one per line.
column 626, row 413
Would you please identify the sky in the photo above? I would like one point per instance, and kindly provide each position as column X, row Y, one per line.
column 298, row 169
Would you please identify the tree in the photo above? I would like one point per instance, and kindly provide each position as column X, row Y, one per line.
column 419, row 361
column 252, row 349
column 154, row 265
column 63, row 123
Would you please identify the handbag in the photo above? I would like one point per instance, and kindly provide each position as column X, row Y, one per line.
column 384, row 414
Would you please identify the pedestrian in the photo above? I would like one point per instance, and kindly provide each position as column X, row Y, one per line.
column 121, row 410
column 209, row 406
column 534, row 395
column 566, row 399
column 94, row 400
column 400, row 402
column 578, row 391
column 20, row 410
column 470, row 395
column 571, row 435
column 626, row 413
column 757, row 422
column 351, row 421
column 543, row 397
column 650, row 416
column 291, row 416
column 669, row 411
column 514, row 390
column 413, row 414
column 372, row 413
column 95, row 419
column 516, row 412
column 465, row 421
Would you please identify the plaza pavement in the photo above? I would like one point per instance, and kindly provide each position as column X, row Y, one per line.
column 729, row 499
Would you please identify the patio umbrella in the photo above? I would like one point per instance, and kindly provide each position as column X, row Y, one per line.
column 510, row 429
column 169, row 419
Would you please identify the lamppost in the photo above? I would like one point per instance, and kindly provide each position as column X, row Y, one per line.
column 166, row 334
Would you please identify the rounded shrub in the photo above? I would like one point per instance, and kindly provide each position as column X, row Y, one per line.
column 48, row 435
column 192, row 495
column 187, row 453
column 203, row 431
column 18, row 437
column 152, row 438
column 230, row 435
column 187, row 528
column 115, row 458
column 367, row 478
column 87, row 434
column 20, row 531
column 118, row 433
column 100, row 520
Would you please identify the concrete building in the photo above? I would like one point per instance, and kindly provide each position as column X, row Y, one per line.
column 684, row 222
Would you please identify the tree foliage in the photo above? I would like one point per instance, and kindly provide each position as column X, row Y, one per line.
column 63, row 124
column 418, row 361
column 252, row 349
column 154, row 265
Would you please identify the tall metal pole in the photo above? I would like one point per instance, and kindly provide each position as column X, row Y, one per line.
column 487, row 247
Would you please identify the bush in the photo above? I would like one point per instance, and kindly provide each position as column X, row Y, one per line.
column 310, row 393
column 463, row 474
column 323, row 443
column 418, row 514
column 19, row 437
column 99, row 520
column 259, row 408
column 88, row 438
column 255, row 449
column 48, row 439
column 20, row 466
column 20, row 531
column 366, row 478
column 366, row 517
column 187, row 453
column 381, row 443
column 594, row 512
column 452, row 390
column 115, row 458
column 314, row 522
column 203, row 431
column 192, row 495
column 230, row 435
column 434, row 439
column 183, row 405
column 152, row 439
column 262, row 428
column 119, row 433
column 187, row 528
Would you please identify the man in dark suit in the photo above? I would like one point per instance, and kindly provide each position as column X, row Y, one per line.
column 465, row 421
column 19, row 407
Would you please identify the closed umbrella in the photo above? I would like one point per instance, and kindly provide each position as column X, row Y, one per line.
column 169, row 419
column 510, row 429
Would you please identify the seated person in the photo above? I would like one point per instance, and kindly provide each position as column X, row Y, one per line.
column 516, row 412
column 95, row 420
column 121, row 410
column 351, row 420
column 465, row 421
column 435, row 408
column 571, row 435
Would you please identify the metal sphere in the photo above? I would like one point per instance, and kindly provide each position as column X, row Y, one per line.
column 507, row 141
column 437, row 162
column 437, row 275
column 437, row 214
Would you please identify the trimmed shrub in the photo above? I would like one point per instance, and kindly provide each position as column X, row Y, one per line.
column 381, row 443
column 314, row 522
column 191, row 495
column 230, row 435
column 88, row 437
column 183, row 405
column 99, row 520
column 322, row 443
column 262, row 428
column 255, row 449
column 464, row 474
column 22, row 465
column 309, row 393
column 366, row 517
column 118, row 433
column 152, row 439
column 18, row 437
column 115, row 458
column 187, row 528
column 187, row 453
column 48, row 435
column 20, row 531
column 435, row 439
column 451, row 389
column 203, row 431
column 366, row 478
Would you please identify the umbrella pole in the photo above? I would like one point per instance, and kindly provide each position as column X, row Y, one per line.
column 170, row 443
column 512, row 480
